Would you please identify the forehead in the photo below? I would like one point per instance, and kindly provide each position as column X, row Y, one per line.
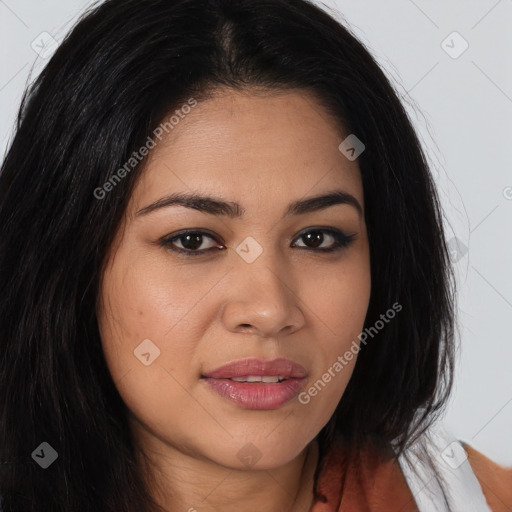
column 254, row 147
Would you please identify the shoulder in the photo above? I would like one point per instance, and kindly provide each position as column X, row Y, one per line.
column 494, row 479
column 444, row 473
column 370, row 480
column 438, row 473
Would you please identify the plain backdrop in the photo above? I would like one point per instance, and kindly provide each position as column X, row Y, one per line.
column 450, row 62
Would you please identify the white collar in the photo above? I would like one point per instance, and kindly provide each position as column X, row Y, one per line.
column 462, row 491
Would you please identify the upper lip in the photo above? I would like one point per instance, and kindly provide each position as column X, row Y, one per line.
column 258, row 367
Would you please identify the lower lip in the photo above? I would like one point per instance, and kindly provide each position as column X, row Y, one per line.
column 257, row 395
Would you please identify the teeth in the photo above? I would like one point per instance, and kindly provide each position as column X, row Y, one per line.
column 255, row 378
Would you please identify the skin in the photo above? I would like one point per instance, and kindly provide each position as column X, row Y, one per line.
column 262, row 150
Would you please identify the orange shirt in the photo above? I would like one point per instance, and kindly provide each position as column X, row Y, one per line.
column 374, row 484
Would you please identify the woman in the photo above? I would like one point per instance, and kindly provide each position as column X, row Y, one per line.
column 225, row 278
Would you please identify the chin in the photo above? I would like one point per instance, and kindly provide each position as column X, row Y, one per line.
column 259, row 453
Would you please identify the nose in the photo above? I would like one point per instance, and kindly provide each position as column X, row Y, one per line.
column 263, row 298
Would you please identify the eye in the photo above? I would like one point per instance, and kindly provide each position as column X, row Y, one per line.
column 316, row 237
column 192, row 241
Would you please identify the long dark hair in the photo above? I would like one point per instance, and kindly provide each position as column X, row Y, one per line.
column 125, row 66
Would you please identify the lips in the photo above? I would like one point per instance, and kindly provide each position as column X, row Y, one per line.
column 257, row 384
column 257, row 367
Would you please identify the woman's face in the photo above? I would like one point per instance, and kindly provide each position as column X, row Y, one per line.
column 255, row 283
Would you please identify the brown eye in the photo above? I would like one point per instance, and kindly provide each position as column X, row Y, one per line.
column 314, row 238
column 191, row 242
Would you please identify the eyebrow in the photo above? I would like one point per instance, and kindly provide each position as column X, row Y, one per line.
column 216, row 206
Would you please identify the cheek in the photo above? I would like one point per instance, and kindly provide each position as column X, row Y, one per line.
column 339, row 299
column 331, row 373
column 339, row 305
column 145, row 300
column 144, row 326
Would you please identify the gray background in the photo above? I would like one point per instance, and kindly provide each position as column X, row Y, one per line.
column 461, row 106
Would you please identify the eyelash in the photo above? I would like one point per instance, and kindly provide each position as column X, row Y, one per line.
column 341, row 241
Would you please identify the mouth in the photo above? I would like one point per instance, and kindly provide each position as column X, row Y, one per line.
column 257, row 384
column 255, row 378
column 258, row 368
